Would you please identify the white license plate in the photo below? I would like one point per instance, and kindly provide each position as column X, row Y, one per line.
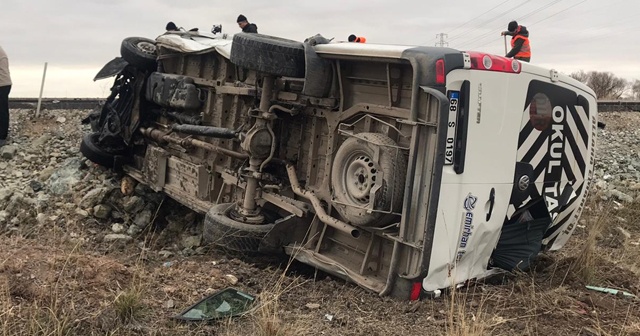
column 454, row 97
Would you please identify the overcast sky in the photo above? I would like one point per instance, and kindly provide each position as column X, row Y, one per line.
column 76, row 37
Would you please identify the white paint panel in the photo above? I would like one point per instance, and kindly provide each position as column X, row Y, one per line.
column 362, row 49
column 444, row 269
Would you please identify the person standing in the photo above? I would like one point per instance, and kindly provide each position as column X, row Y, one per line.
column 246, row 27
column 172, row 27
column 520, row 46
column 357, row 39
column 5, row 88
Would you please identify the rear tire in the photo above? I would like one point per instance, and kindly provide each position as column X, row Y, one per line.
column 230, row 235
column 268, row 54
column 139, row 52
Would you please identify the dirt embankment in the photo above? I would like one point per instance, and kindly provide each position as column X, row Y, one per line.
column 79, row 257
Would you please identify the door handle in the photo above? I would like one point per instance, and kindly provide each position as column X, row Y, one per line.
column 492, row 201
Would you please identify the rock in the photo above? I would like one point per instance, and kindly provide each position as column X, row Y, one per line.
column 117, row 215
column 191, row 241
column 3, row 216
column 232, row 279
column 623, row 232
column 42, row 201
column 64, row 179
column 101, row 211
column 127, row 185
column 187, row 252
column 165, row 254
column 143, row 218
column 621, row 196
column 94, row 197
column 82, row 213
column 36, row 185
column 14, row 202
column 117, row 237
column 43, row 139
column 134, row 230
column 312, row 305
column 41, row 218
column 61, row 120
column 5, row 195
column 8, row 152
column 133, row 204
column 3, row 165
column 46, row 173
column 117, row 228
column 169, row 304
column 141, row 189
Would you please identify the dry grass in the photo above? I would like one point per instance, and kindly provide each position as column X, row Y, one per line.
column 128, row 305
column 464, row 320
column 584, row 268
column 266, row 318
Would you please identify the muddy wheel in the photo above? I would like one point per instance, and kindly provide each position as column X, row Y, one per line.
column 368, row 169
column 223, row 231
column 139, row 52
column 110, row 156
column 268, row 54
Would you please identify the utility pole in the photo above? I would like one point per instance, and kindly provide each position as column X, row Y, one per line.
column 44, row 74
column 442, row 42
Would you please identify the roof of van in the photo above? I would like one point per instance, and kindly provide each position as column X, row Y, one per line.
column 376, row 50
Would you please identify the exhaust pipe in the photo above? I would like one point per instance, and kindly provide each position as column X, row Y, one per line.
column 317, row 207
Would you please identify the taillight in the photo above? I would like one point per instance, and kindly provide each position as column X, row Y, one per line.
column 416, row 289
column 440, row 75
column 481, row 61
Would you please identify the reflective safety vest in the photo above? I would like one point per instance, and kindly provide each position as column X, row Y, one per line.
column 525, row 51
column 360, row 40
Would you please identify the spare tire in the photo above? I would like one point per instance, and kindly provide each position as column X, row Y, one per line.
column 356, row 176
column 139, row 52
column 268, row 54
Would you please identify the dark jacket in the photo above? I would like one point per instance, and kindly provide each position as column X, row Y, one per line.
column 517, row 46
column 250, row 28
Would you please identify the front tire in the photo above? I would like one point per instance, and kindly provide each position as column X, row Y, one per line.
column 108, row 156
column 139, row 52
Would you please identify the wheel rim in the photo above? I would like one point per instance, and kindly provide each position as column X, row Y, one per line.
column 358, row 178
column 146, row 47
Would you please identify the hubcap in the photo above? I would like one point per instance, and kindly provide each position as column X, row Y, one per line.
column 146, row 47
column 359, row 177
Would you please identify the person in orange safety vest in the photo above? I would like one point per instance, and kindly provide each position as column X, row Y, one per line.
column 357, row 39
column 520, row 46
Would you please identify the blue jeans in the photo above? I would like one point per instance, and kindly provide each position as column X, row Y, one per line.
column 4, row 111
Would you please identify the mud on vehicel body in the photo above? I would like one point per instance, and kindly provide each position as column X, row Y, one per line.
column 402, row 169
